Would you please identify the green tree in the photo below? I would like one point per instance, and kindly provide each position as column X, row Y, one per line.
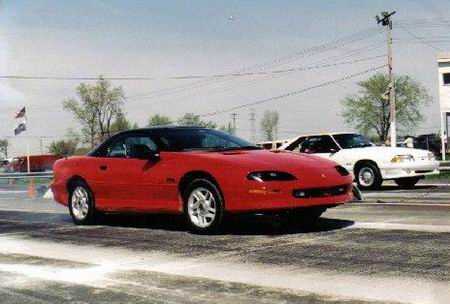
column 96, row 108
column 63, row 147
column 121, row 123
column 269, row 124
column 4, row 147
column 190, row 119
column 159, row 120
column 368, row 111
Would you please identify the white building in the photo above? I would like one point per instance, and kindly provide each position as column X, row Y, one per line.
column 444, row 96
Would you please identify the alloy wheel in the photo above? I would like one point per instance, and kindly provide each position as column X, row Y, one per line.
column 366, row 177
column 80, row 203
column 202, row 207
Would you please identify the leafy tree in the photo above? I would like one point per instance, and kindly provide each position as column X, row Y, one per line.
column 190, row 119
column 96, row 108
column 159, row 120
column 369, row 110
column 121, row 123
column 269, row 124
column 4, row 147
column 63, row 147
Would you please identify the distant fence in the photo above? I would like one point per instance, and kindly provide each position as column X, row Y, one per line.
column 24, row 175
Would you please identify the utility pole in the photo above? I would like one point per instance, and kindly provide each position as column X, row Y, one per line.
column 386, row 21
column 233, row 119
column 252, row 125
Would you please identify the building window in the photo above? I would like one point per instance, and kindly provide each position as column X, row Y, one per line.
column 446, row 77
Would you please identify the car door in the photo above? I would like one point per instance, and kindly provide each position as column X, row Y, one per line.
column 126, row 181
column 323, row 146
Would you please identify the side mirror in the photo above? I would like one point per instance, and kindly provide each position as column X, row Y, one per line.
column 154, row 156
column 333, row 150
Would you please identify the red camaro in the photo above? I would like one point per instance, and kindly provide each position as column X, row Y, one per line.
column 198, row 172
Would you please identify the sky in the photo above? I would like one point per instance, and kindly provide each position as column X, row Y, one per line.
column 165, row 39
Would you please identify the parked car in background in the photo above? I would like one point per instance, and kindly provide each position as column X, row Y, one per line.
column 38, row 163
column 370, row 164
column 272, row 145
column 200, row 173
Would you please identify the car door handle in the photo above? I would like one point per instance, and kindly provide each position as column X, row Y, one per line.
column 103, row 167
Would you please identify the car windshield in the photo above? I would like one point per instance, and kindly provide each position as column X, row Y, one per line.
column 201, row 139
column 349, row 141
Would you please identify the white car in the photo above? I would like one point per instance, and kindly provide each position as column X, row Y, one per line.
column 370, row 164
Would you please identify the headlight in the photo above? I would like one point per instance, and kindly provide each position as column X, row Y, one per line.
column 431, row 156
column 402, row 158
column 342, row 171
column 268, row 176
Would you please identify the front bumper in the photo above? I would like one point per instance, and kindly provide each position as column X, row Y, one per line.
column 281, row 196
column 410, row 169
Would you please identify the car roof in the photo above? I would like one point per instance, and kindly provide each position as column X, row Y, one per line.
column 161, row 128
column 287, row 144
column 321, row 134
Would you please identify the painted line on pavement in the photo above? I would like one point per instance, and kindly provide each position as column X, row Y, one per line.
column 399, row 226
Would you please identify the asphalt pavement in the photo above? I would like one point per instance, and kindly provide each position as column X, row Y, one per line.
column 391, row 248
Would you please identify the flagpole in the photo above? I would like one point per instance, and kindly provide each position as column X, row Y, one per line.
column 28, row 156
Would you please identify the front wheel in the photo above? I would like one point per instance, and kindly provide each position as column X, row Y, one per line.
column 407, row 182
column 368, row 177
column 203, row 206
column 81, row 204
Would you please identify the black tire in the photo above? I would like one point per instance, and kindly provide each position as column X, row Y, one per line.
column 407, row 182
column 213, row 224
column 304, row 217
column 374, row 183
column 90, row 215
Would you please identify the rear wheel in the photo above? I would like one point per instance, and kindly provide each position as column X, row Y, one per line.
column 81, row 204
column 203, row 206
column 407, row 182
column 368, row 176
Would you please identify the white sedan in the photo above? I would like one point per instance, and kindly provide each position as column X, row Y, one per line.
column 369, row 163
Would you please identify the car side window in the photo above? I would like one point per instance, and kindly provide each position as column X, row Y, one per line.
column 124, row 147
column 319, row 144
column 296, row 145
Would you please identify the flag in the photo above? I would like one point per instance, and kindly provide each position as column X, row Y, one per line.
column 21, row 121
column 20, row 128
column 21, row 113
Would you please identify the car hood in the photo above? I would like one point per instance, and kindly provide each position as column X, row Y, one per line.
column 270, row 160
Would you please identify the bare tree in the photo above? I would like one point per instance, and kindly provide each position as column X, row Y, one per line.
column 269, row 124
column 4, row 147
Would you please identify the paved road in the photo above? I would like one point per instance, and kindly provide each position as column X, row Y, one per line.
column 368, row 252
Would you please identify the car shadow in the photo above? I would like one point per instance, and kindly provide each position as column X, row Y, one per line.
column 388, row 188
column 254, row 224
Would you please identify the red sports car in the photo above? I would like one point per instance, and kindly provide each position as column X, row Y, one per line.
column 198, row 172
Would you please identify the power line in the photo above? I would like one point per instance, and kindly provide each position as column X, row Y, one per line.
column 304, row 68
column 421, row 40
column 289, row 94
column 352, row 38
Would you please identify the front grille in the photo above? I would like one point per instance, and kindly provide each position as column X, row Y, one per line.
column 423, row 171
column 321, row 192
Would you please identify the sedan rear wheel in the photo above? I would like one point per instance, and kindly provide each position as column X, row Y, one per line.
column 407, row 182
column 203, row 206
